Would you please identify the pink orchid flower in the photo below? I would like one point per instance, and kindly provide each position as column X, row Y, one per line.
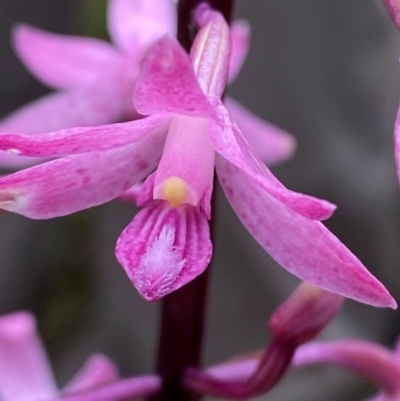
column 25, row 373
column 187, row 134
column 95, row 80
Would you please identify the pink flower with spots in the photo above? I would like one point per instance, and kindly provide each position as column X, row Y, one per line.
column 95, row 79
column 25, row 373
column 188, row 133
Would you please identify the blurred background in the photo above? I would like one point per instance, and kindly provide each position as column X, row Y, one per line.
column 326, row 71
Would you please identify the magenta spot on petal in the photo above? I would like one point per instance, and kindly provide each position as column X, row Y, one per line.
column 71, row 185
column 142, row 165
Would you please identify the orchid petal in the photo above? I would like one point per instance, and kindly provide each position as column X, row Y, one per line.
column 25, row 374
column 84, row 139
column 232, row 146
column 164, row 248
column 64, row 186
column 135, row 25
column 240, row 36
column 270, row 143
column 85, row 106
column 304, row 247
column 98, row 370
column 168, row 83
column 211, row 52
column 64, row 61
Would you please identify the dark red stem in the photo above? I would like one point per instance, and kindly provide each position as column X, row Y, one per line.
column 183, row 312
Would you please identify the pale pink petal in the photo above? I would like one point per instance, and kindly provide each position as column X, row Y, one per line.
column 304, row 247
column 240, row 36
column 97, row 370
column 134, row 25
column 168, row 84
column 25, row 373
column 233, row 147
column 211, row 52
column 84, row 139
column 164, row 248
column 64, row 61
column 270, row 143
column 64, row 186
column 101, row 103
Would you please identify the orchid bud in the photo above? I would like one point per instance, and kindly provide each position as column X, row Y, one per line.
column 304, row 314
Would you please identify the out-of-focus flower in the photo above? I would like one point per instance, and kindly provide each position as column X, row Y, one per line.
column 187, row 133
column 95, row 80
column 25, row 373
column 372, row 361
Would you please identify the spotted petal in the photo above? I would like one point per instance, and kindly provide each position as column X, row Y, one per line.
column 164, row 248
column 232, row 146
column 64, row 61
column 77, row 182
column 304, row 247
column 84, row 139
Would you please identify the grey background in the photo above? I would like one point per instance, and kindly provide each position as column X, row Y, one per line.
column 328, row 72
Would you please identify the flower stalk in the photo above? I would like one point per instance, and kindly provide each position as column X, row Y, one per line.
column 183, row 311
